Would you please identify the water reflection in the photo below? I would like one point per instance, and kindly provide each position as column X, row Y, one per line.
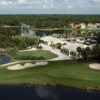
column 36, row 33
column 45, row 93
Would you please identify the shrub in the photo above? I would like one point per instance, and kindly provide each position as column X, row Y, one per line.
column 65, row 44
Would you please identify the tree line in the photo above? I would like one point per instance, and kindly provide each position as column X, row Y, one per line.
column 44, row 21
column 91, row 53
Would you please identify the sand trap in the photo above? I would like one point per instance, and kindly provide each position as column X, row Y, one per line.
column 95, row 66
column 26, row 65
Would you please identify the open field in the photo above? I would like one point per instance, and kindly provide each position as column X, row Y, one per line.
column 39, row 53
column 63, row 72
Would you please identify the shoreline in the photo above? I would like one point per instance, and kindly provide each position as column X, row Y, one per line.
column 53, row 29
column 83, row 88
column 5, row 54
column 70, row 29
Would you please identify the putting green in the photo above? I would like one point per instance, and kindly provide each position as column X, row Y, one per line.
column 64, row 72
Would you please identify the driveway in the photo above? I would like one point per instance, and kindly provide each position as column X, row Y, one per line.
column 61, row 56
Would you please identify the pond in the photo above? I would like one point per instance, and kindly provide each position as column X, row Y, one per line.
column 45, row 93
column 36, row 33
column 4, row 59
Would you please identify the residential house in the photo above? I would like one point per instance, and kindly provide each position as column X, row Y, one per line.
column 82, row 25
column 73, row 26
column 88, row 25
column 93, row 26
column 97, row 24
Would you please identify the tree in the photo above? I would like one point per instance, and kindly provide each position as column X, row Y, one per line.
column 96, row 50
column 88, row 51
column 83, row 53
column 22, row 45
column 98, row 38
column 79, row 50
column 59, row 45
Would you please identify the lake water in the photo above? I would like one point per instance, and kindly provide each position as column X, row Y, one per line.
column 4, row 60
column 45, row 93
column 31, row 33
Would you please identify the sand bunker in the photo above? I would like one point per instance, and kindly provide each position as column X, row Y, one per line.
column 95, row 66
column 26, row 65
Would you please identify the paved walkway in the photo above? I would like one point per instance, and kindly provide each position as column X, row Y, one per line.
column 22, row 62
column 61, row 56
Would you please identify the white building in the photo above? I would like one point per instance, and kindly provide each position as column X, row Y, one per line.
column 52, row 40
column 70, row 49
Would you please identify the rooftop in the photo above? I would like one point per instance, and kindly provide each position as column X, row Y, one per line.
column 55, row 40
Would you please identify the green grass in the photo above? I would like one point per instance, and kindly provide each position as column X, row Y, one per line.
column 81, row 29
column 24, row 63
column 54, row 72
column 33, row 46
column 22, row 37
column 39, row 53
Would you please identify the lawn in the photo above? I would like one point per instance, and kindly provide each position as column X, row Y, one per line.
column 54, row 72
column 39, row 53
column 22, row 37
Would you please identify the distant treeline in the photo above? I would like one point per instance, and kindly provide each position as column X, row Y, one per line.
column 44, row 21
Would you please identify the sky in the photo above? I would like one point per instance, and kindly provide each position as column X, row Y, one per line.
column 49, row 6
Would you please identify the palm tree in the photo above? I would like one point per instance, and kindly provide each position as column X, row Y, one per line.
column 79, row 50
column 96, row 50
column 83, row 53
column 88, row 51
column 92, row 53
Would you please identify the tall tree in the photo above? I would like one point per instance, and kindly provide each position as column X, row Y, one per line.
column 79, row 50
column 88, row 51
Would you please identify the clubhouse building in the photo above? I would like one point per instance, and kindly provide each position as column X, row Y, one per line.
column 69, row 49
